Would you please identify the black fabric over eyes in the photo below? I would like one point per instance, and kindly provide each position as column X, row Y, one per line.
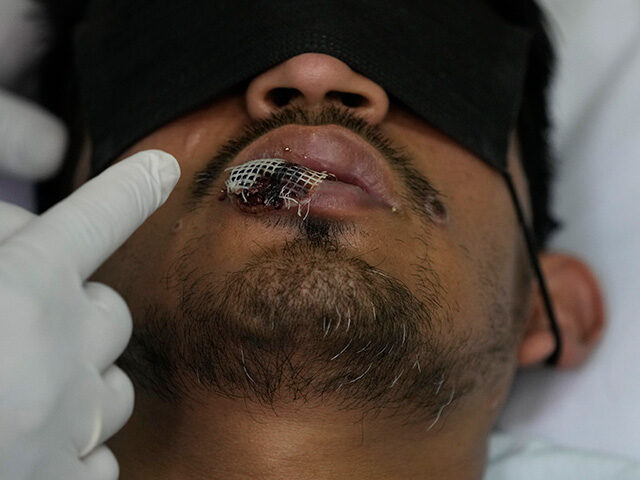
column 454, row 63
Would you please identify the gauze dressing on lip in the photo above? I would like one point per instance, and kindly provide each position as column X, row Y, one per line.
column 270, row 183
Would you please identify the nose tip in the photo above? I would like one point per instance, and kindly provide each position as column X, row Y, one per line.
column 312, row 80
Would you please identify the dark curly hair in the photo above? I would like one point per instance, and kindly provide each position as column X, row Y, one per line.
column 59, row 93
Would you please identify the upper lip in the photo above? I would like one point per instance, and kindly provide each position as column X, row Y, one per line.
column 328, row 148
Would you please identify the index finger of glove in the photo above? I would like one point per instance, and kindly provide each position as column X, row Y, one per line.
column 12, row 219
column 82, row 231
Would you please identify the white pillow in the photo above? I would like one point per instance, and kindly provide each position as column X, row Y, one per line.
column 597, row 110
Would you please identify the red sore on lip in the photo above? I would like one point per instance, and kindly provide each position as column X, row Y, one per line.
column 265, row 194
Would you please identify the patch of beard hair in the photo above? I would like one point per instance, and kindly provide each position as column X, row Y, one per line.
column 305, row 324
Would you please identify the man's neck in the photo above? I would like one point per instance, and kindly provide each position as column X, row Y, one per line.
column 225, row 439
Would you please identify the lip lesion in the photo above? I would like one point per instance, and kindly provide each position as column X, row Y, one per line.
column 269, row 184
column 330, row 148
column 331, row 140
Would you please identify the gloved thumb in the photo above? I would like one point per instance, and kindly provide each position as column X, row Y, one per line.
column 32, row 141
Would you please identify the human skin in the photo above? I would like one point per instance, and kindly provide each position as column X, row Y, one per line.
column 480, row 277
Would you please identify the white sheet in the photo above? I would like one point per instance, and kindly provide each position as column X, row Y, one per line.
column 512, row 458
column 597, row 110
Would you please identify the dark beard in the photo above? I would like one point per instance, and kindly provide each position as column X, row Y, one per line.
column 306, row 322
column 309, row 322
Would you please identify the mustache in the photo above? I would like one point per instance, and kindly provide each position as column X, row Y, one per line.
column 421, row 193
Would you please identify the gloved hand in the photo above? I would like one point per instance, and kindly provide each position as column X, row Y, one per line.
column 61, row 396
column 32, row 141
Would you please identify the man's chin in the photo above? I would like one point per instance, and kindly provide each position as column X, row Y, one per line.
column 301, row 322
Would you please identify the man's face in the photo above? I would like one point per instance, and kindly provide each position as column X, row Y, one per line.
column 401, row 310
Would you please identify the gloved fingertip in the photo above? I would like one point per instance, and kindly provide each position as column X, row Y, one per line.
column 170, row 173
column 167, row 169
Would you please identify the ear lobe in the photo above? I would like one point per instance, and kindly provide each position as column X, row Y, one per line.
column 579, row 308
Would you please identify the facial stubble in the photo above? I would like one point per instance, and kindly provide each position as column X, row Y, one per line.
column 308, row 322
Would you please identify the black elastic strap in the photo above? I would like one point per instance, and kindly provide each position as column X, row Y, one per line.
column 533, row 256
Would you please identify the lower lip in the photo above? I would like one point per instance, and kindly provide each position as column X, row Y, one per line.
column 333, row 199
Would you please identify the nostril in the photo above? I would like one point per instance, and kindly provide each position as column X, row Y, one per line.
column 351, row 100
column 282, row 96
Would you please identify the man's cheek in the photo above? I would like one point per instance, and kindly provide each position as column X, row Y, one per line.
column 462, row 294
column 138, row 264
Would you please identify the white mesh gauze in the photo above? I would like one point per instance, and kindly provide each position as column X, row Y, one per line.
column 273, row 181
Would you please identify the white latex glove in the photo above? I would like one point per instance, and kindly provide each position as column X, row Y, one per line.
column 61, row 397
column 32, row 141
